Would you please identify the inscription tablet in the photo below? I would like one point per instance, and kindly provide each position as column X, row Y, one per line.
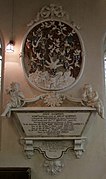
column 47, row 124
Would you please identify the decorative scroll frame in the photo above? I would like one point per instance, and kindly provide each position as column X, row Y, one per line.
column 55, row 14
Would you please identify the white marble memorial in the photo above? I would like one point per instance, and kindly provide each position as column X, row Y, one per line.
column 53, row 59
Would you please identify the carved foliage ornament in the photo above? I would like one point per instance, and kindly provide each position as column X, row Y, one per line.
column 51, row 11
column 52, row 52
column 53, row 167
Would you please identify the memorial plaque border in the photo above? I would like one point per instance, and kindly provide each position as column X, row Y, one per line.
column 50, row 110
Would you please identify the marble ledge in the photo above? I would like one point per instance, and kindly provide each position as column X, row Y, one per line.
column 53, row 108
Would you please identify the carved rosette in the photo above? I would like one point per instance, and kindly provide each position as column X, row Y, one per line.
column 54, row 99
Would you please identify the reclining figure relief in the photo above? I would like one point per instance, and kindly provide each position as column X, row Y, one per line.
column 90, row 98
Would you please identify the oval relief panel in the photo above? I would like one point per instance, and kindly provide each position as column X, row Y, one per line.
column 53, row 55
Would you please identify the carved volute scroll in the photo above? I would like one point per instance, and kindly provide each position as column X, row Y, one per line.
column 52, row 53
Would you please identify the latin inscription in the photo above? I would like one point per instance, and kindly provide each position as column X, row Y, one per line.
column 53, row 123
column 50, row 124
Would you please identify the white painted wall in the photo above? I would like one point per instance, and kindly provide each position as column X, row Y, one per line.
column 91, row 17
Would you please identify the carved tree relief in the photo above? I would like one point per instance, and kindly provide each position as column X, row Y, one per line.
column 52, row 55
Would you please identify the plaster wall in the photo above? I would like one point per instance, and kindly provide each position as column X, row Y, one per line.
column 90, row 16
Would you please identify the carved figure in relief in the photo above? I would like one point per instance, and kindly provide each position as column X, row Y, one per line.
column 16, row 98
column 91, row 98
